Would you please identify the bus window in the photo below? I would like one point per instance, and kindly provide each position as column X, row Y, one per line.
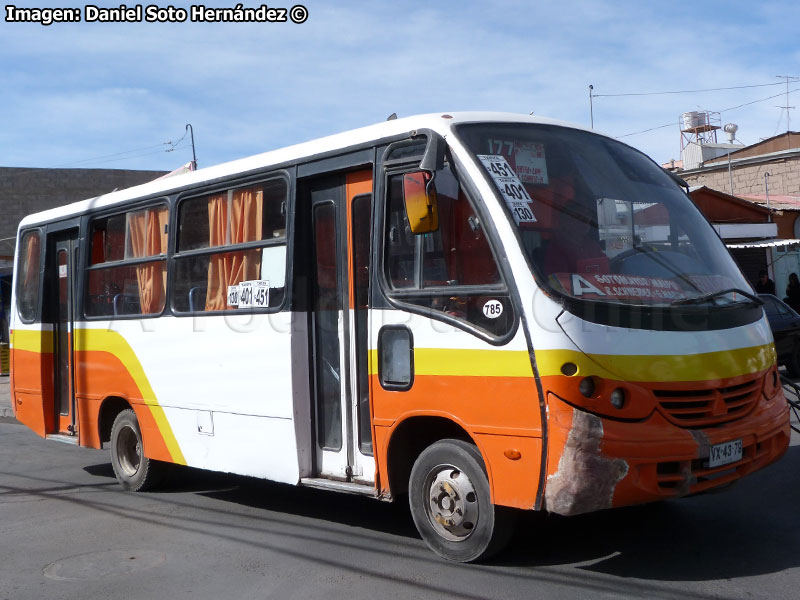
column 601, row 221
column 128, row 273
column 28, row 279
column 455, row 260
column 214, row 225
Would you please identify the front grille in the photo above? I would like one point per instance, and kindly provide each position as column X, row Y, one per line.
column 703, row 407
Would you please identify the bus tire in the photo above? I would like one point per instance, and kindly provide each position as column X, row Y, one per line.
column 135, row 472
column 451, row 503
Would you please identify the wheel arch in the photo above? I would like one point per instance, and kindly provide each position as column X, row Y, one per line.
column 110, row 407
column 414, row 434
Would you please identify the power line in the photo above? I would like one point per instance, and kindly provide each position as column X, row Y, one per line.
column 646, row 130
column 737, row 87
column 97, row 158
column 111, row 157
column 720, row 111
column 757, row 101
column 100, row 162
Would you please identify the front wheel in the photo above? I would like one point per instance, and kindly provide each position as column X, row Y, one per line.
column 134, row 471
column 451, row 503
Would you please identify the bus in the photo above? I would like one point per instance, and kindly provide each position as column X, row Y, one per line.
column 480, row 312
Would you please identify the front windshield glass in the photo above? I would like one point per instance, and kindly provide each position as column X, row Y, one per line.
column 600, row 221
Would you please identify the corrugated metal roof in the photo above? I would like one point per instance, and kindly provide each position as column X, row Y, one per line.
column 778, row 202
column 764, row 244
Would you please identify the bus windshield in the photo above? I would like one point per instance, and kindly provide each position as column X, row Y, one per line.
column 600, row 221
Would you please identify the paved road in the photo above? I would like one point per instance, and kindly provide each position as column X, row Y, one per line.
column 67, row 530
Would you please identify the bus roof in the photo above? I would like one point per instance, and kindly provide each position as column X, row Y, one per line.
column 439, row 122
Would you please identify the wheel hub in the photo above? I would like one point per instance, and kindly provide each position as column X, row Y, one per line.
column 453, row 503
column 129, row 450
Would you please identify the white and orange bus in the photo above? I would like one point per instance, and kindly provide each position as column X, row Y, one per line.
column 482, row 312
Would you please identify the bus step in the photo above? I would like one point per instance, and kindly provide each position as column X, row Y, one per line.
column 339, row 486
column 60, row 437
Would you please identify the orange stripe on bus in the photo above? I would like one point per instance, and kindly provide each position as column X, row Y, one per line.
column 91, row 342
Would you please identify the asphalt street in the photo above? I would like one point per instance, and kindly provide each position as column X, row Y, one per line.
column 67, row 530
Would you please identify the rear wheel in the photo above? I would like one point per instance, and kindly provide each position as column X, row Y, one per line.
column 134, row 471
column 451, row 503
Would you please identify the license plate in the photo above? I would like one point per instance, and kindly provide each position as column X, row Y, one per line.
column 725, row 453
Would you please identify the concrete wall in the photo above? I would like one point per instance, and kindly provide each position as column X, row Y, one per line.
column 784, row 178
column 24, row 191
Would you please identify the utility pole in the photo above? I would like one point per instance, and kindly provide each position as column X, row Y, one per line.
column 591, row 108
column 766, row 189
column 788, row 78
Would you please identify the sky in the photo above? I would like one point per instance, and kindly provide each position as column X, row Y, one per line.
column 118, row 95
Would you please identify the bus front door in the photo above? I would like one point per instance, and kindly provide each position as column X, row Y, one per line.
column 62, row 301
column 338, row 269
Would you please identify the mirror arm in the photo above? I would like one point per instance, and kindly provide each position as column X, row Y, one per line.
column 433, row 158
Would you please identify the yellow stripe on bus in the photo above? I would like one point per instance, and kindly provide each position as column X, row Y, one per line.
column 32, row 340
column 466, row 363
column 654, row 368
column 102, row 340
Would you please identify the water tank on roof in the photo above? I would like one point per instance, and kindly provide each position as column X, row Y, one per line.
column 693, row 120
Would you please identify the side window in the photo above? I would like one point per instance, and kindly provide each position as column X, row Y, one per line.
column 127, row 273
column 30, row 250
column 210, row 266
column 451, row 270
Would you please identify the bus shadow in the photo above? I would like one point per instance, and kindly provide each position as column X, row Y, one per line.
column 345, row 509
column 753, row 528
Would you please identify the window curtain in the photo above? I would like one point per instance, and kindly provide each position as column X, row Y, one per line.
column 233, row 218
column 147, row 236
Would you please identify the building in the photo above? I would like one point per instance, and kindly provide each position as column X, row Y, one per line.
column 736, row 185
column 771, row 166
column 24, row 191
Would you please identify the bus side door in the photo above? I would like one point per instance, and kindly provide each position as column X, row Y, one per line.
column 334, row 224
column 60, row 299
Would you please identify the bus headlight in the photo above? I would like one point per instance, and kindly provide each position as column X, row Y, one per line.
column 607, row 397
column 587, row 387
column 617, row 398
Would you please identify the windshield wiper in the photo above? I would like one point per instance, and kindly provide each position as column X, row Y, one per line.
column 713, row 295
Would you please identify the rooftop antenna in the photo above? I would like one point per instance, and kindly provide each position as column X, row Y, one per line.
column 392, row 117
column 591, row 108
column 788, row 78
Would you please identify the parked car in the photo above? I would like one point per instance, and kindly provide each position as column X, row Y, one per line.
column 785, row 325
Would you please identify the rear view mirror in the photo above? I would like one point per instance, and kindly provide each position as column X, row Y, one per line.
column 419, row 195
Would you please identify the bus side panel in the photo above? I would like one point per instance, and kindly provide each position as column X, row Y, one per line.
column 99, row 375
column 489, row 391
column 514, row 481
column 32, row 379
column 107, row 366
column 212, row 392
column 248, row 445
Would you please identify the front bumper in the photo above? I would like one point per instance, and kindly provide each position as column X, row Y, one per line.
column 596, row 463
